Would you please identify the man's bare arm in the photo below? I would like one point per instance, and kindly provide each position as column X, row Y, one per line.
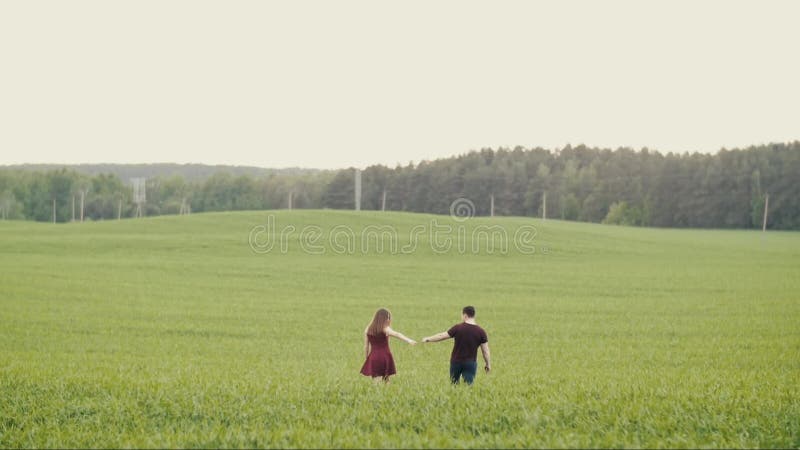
column 487, row 356
column 437, row 337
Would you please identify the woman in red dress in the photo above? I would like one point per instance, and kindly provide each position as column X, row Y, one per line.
column 380, row 364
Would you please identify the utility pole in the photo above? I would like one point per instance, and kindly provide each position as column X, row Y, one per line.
column 491, row 206
column 766, row 207
column 54, row 210
column 139, row 195
column 358, row 190
column 83, row 197
column 291, row 193
column 73, row 208
column 119, row 210
column 383, row 201
column 544, row 205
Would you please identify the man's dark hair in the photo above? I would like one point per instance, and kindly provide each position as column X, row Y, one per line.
column 469, row 311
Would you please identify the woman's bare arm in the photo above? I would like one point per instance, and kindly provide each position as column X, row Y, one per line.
column 437, row 337
column 390, row 332
column 366, row 345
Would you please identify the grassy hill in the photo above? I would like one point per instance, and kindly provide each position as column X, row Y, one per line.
column 185, row 331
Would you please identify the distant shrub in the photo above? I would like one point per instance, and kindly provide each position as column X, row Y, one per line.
column 621, row 213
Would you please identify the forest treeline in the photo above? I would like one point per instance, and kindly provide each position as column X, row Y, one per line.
column 191, row 172
column 726, row 189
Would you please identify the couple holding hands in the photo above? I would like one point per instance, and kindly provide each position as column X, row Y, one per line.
column 468, row 337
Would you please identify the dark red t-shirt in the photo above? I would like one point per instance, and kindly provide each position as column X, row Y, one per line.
column 468, row 338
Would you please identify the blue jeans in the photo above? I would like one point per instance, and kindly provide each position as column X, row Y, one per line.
column 467, row 369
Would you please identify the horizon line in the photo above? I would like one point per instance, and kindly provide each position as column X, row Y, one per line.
column 410, row 162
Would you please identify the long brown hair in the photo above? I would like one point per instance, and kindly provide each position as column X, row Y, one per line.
column 379, row 322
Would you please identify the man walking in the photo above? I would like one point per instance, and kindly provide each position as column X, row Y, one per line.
column 468, row 337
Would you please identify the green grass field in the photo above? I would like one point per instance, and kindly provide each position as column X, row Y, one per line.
column 173, row 332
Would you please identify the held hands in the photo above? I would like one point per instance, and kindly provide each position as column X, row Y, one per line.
column 430, row 339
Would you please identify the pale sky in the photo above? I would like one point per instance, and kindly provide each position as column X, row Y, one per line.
column 333, row 84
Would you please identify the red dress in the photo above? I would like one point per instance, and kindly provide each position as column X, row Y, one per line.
column 380, row 362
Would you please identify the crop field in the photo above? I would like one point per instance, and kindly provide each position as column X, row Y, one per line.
column 197, row 331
